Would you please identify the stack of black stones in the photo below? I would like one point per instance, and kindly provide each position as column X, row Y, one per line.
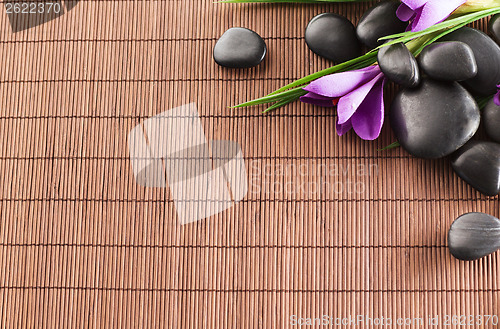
column 435, row 114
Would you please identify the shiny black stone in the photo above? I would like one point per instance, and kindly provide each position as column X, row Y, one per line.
column 478, row 163
column 379, row 21
column 487, row 54
column 448, row 61
column 474, row 236
column 333, row 37
column 434, row 119
column 239, row 48
column 491, row 120
column 494, row 27
column 399, row 65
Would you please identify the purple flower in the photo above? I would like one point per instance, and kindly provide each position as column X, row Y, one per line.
column 425, row 13
column 497, row 96
column 358, row 96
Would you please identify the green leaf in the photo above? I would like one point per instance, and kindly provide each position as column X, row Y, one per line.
column 390, row 147
column 482, row 101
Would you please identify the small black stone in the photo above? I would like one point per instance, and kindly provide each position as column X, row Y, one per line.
column 434, row 119
column 448, row 61
column 239, row 48
column 474, row 236
column 478, row 163
column 333, row 37
column 487, row 54
column 399, row 65
column 380, row 21
column 491, row 120
column 494, row 27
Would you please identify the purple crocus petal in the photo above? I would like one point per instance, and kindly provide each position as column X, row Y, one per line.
column 314, row 99
column 405, row 13
column 350, row 103
column 434, row 12
column 339, row 84
column 343, row 128
column 368, row 120
column 415, row 4
column 497, row 98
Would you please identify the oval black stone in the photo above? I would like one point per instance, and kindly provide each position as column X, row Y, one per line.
column 494, row 27
column 487, row 54
column 491, row 120
column 474, row 236
column 239, row 48
column 380, row 21
column 478, row 163
column 448, row 61
column 399, row 65
column 434, row 119
column 333, row 37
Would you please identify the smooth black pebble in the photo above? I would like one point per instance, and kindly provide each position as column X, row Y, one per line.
column 478, row 163
column 448, row 61
column 380, row 21
column 487, row 54
column 491, row 120
column 399, row 65
column 474, row 236
column 333, row 37
column 494, row 27
column 435, row 119
column 239, row 48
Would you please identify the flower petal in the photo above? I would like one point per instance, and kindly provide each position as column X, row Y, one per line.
column 350, row 103
column 405, row 13
column 497, row 98
column 368, row 120
column 343, row 128
column 435, row 11
column 314, row 99
column 416, row 4
column 339, row 84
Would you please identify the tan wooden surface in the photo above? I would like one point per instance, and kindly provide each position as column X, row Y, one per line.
column 83, row 246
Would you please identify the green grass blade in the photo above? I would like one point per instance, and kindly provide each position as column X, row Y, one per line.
column 283, row 102
column 297, row 92
column 390, row 147
column 482, row 101
column 363, row 61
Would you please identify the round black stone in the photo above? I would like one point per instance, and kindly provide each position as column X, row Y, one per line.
column 434, row 119
column 494, row 27
column 399, row 65
column 380, row 21
column 333, row 37
column 474, row 236
column 448, row 61
column 487, row 54
column 478, row 163
column 491, row 120
column 239, row 48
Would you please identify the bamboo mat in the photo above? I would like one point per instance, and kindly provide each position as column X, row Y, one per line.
column 82, row 245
